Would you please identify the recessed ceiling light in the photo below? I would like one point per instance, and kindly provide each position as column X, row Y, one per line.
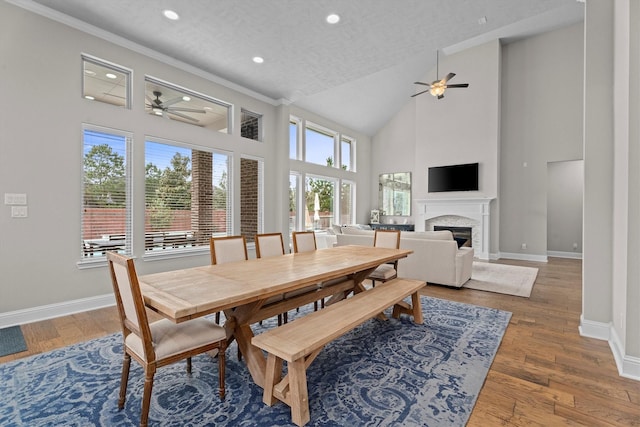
column 333, row 18
column 90, row 73
column 170, row 14
column 258, row 59
column 89, row 97
column 111, row 76
column 186, row 98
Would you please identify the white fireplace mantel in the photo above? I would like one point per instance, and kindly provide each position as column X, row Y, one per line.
column 477, row 210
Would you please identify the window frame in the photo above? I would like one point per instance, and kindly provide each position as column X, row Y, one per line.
column 128, row 73
column 192, row 93
column 87, row 260
column 258, row 117
column 177, row 252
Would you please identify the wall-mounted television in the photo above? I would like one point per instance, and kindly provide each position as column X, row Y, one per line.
column 453, row 178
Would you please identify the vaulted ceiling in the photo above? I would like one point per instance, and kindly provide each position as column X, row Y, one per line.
column 358, row 72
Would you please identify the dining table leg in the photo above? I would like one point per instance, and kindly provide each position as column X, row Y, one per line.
column 238, row 328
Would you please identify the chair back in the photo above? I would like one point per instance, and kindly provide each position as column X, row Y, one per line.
column 304, row 241
column 387, row 239
column 133, row 315
column 269, row 244
column 228, row 249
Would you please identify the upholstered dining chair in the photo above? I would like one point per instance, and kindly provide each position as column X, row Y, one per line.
column 305, row 241
column 159, row 343
column 385, row 239
column 227, row 249
column 270, row 245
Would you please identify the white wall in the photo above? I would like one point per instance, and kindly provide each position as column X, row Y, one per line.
column 625, row 286
column 460, row 128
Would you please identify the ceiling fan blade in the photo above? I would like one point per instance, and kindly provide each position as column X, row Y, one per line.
column 420, row 83
column 420, row 93
column 448, row 77
column 172, row 101
column 184, row 116
column 188, row 110
column 459, row 85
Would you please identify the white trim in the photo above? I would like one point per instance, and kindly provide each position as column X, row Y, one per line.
column 592, row 329
column 476, row 209
column 561, row 254
column 44, row 312
column 628, row 366
column 524, row 257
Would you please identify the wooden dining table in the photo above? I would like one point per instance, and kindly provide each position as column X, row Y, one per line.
column 252, row 290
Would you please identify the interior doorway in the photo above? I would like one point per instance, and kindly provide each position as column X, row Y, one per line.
column 565, row 192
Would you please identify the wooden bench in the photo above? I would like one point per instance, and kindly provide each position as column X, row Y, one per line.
column 299, row 342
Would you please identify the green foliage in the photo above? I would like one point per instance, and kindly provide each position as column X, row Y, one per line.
column 324, row 189
column 104, row 177
column 167, row 190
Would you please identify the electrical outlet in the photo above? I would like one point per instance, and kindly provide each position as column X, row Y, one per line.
column 524, row 246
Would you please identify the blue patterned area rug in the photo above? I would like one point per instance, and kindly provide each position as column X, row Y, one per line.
column 392, row 373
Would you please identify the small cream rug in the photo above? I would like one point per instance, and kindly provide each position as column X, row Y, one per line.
column 502, row 278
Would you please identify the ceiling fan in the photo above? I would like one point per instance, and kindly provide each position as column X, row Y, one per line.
column 437, row 87
column 159, row 107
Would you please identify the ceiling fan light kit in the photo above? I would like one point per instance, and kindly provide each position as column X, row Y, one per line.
column 159, row 107
column 438, row 87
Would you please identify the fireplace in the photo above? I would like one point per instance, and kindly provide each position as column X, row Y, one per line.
column 462, row 235
column 473, row 213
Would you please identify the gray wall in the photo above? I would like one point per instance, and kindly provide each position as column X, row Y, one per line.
column 565, row 188
column 541, row 123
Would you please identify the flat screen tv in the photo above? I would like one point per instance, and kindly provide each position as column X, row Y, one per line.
column 453, row 178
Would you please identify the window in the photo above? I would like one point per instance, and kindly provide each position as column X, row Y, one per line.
column 346, row 148
column 294, row 125
column 250, row 125
column 319, row 146
column 105, row 82
column 319, row 202
column 312, row 145
column 106, row 216
column 347, row 202
column 172, row 102
column 294, row 178
column 187, row 196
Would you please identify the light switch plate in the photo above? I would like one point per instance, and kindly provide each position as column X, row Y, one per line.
column 15, row 199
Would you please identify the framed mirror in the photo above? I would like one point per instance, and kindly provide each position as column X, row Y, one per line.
column 394, row 194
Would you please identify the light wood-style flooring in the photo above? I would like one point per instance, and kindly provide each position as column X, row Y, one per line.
column 544, row 373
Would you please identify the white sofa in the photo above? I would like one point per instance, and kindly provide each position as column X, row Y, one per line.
column 436, row 257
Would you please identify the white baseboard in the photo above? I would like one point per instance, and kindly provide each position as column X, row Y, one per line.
column 591, row 329
column 628, row 366
column 43, row 312
column 559, row 254
column 523, row 257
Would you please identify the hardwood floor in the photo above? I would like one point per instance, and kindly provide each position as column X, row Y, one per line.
column 544, row 373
